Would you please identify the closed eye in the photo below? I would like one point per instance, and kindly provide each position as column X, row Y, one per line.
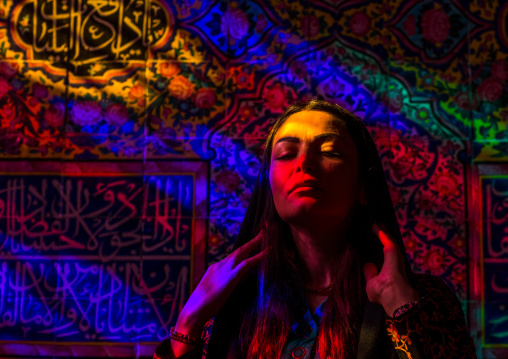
column 331, row 154
column 285, row 156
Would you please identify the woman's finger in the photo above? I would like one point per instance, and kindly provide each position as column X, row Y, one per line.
column 246, row 265
column 391, row 252
column 243, row 251
column 369, row 271
column 383, row 236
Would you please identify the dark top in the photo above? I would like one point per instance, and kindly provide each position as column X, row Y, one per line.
column 434, row 328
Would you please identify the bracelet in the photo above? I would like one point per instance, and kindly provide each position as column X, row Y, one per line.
column 183, row 338
column 404, row 308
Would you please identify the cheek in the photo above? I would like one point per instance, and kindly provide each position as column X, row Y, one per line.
column 277, row 178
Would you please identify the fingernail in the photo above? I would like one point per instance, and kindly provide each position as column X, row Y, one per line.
column 375, row 228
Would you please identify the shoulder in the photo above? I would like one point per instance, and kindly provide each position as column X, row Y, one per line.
column 427, row 285
column 437, row 297
column 435, row 327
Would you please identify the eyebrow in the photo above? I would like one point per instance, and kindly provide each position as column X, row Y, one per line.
column 322, row 136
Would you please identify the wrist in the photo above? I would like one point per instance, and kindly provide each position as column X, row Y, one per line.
column 189, row 324
column 398, row 297
column 186, row 326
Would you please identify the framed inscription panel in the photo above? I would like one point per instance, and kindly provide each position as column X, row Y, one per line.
column 97, row 258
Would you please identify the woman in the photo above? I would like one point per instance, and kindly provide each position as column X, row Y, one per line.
column 325, row 275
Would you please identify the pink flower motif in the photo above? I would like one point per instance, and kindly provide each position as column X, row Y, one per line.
column 244, row 80
column 275, row 98
column 490, row 89
column 205, row 98
column 435, row 25
column 116, row 115
column 466, row 102
column 54, row 115
column 234, row 24
column 405, row 162
column 40, row 91
column 298, row 69
column 310, row 25
column 4, row 87
column 11, row 141
column 427, row 202
column 9, row 69
column 499, row 69
column 446, row 184
column 409, row 25
column 227, row 181
column 430, row 229
column 411, row 244
column 385, row 137
column 360, row 23
column 246, row 112
column 434, row 260
column 86, row 113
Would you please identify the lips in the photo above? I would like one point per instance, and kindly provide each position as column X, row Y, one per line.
column 306, row 185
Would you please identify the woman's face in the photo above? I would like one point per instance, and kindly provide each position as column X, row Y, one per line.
column 314, row 169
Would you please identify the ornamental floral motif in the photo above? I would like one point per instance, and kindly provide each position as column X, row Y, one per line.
column 499, row 69
column 227, row 181
column 221, row 79
column 86, row 113
column 310, row 25
column 490, row 89
column 9, row 69
column 181, row 88
column 466, row 101
column 235, row 24
column 275, row 98
column 360, row 23
column 4, row 87
column 55, row 114
column 435, row 25
column 116, row 115
column 169, row 69
column 205, row 98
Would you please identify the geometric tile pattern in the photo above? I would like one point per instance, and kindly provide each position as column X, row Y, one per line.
column 150, row 94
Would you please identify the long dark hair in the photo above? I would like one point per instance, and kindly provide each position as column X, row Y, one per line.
column 266, row 323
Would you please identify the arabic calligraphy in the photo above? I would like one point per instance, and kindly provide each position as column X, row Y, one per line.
column 85, row 32
column 494, row 209
column 106, row 217
column 94, row 257
column 79, row 300
column 496, row 216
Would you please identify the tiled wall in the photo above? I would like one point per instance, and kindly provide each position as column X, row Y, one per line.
column 131, row 134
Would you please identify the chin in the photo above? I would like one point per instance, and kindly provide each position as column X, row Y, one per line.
column 309, row 213
column 299, row 214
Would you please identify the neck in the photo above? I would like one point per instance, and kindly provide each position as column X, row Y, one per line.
column 318, row 246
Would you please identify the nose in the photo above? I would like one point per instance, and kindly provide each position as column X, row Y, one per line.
column 305, row 163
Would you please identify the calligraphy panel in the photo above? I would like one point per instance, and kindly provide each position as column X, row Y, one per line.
column 98, row 252
column 489, row 280
column 495, row 258
column 85, row 34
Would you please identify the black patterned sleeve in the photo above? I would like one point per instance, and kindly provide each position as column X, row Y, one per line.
column 164, row 350
column 434, row 328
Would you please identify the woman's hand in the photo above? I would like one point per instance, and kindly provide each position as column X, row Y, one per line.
column 390, row 287
column 213, row 290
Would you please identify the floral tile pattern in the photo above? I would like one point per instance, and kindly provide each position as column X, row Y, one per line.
column 201, row 81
